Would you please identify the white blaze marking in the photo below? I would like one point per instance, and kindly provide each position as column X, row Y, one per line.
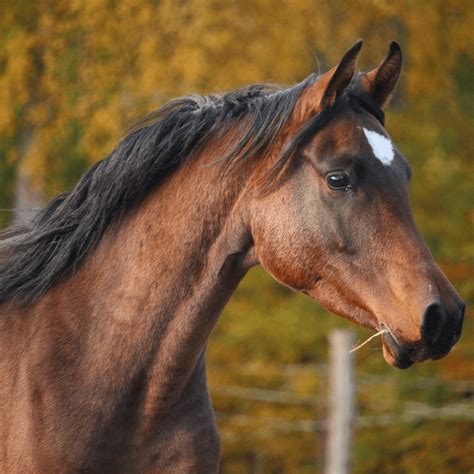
column 381, row 146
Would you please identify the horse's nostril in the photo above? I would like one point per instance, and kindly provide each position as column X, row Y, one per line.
column 460, row 321
column 433, row 322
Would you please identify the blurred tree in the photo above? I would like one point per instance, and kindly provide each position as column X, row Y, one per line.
column 74, row 75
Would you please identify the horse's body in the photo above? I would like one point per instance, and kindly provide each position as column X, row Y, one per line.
column 119, row 384
column 102, row 364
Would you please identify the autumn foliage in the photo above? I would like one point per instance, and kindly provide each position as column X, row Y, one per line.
column 75, row 75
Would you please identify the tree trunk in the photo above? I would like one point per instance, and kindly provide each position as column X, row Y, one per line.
column 27, row 194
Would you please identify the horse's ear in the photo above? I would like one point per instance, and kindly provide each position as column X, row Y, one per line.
column 381, row 81
column 324, row 92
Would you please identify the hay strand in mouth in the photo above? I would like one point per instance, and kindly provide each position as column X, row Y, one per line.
column 356, row 348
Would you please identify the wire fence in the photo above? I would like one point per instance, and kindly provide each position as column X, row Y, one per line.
column 413, row 412
column 410, row 412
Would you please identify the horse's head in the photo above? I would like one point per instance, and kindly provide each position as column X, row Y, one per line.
column 339, row 226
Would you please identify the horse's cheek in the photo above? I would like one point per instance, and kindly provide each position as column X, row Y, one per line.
column 291, row 262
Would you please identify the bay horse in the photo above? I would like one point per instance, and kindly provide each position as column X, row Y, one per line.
column 108, row 298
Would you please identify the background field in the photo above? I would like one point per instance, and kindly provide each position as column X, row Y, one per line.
column 74, row 75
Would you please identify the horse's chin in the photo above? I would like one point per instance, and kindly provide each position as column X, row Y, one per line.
column 394, row 354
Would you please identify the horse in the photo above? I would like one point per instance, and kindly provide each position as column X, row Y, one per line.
column 109, row 296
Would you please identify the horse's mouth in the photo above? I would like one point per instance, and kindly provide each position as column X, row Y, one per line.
column 393, row 352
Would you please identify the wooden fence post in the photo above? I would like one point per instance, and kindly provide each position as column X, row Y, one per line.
column 341, row 403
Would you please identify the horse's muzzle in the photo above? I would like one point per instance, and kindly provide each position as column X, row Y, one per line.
column 440, row 330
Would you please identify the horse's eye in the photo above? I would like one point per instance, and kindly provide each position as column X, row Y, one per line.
column 338, row 181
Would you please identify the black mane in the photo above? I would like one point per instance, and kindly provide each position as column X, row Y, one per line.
column 36, row 256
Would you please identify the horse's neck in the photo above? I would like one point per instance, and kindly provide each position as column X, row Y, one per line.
column 148, row 298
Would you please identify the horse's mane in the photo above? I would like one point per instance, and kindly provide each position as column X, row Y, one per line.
column 34, row 256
